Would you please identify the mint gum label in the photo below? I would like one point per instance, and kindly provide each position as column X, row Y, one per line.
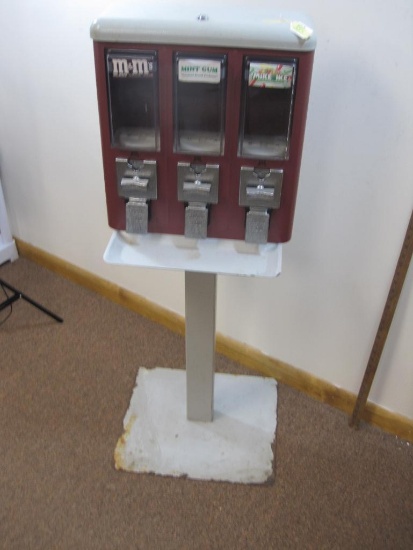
column 199, row 70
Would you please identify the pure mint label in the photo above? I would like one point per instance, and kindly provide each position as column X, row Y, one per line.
column 270, row 75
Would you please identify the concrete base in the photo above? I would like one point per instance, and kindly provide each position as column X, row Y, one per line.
column 235, row 447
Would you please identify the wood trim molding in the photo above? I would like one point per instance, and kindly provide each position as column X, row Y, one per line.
column 245, row 355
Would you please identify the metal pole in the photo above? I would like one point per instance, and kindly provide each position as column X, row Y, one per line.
column 200, row 304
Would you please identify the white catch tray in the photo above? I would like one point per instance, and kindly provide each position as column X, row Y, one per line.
column 221, row 256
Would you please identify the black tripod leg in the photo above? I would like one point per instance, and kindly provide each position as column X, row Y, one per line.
column 19, row 294
column 9, row 301
column 39, row 306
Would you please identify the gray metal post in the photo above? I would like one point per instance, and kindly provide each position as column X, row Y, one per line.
column 200, row 301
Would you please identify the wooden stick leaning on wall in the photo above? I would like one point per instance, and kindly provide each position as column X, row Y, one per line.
column 385, row 323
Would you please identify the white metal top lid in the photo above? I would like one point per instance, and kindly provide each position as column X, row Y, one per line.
column 204, row 23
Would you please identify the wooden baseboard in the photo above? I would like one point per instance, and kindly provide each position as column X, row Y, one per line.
column 245, row 355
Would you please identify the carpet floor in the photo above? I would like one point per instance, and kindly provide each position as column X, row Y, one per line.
column 64, row 390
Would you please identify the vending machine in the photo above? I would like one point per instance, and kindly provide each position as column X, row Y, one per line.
column 202, row 114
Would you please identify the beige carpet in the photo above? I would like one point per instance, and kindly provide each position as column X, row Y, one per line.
column 64, row 390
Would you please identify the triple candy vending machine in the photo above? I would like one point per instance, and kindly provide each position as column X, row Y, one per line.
column 202, row 115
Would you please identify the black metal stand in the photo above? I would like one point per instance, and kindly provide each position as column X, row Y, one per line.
column 17, row 294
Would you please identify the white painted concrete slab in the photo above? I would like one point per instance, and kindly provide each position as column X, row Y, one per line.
column 235, row 447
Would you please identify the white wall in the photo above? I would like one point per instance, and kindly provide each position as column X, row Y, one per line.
column 354, row 202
